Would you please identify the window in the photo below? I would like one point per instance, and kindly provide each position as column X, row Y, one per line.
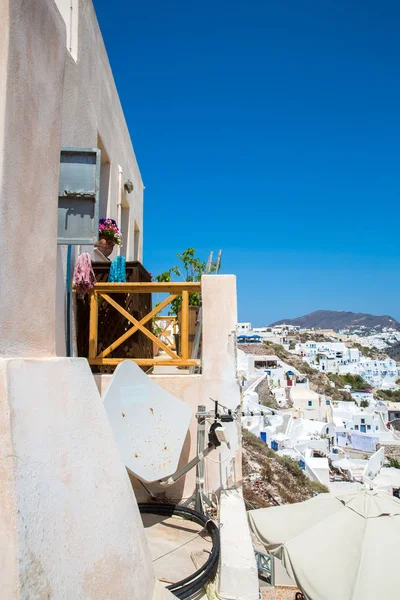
column 356, row 427
column 368, row 426
column 310, row 403
column 363, row 421
column 376, row 428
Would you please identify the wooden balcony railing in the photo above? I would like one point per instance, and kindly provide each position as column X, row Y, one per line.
column 101, row 292
column 168, row 325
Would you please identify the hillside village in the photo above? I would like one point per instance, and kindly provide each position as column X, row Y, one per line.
column 321, row 406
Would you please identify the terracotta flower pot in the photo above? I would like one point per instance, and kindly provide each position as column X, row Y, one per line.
column 105, row 246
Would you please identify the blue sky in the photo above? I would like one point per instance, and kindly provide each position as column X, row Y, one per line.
column 270, row 130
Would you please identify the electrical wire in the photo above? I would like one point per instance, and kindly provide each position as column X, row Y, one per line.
column 218, row 462
column 177, row 548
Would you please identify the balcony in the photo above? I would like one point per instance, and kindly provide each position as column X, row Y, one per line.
column 121, row 297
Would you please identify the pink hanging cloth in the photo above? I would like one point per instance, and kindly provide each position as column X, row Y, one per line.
column 84, row 278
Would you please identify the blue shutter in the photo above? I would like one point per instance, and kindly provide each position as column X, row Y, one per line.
column 78, row 195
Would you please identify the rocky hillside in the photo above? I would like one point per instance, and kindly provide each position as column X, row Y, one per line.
column 269, row 479
column 340, row 319
column 394, row 351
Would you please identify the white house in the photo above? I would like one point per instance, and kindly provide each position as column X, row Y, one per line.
column 243, row 328
column 245, row 364
column 366, row 422
column 328, row 357
column 360, row 428
column 68, row 493
column 307, row 404
column 380, row 373
column 92, row 117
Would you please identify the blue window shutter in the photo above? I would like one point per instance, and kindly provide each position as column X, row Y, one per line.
column 78, row 195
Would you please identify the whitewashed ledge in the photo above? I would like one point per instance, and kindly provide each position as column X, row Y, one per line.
column 238, row 575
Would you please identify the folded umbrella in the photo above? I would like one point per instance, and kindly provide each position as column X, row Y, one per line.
column 336, row 547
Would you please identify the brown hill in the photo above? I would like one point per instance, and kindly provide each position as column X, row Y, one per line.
column 340, row 319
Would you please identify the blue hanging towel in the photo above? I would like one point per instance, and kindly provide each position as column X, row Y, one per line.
column 117, row 270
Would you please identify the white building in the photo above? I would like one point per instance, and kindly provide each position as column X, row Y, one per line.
column 307, row 404
column 380, row 373
column 70, row 524
column 360, row 428
column 92, row 117
column 243, row 328
column 337, row 357
column 328, row 357
column 245, row 364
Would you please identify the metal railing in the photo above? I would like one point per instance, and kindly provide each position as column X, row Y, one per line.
column 101, row 292
column 265, row 566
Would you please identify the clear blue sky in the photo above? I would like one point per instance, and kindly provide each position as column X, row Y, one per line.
column 270, row 130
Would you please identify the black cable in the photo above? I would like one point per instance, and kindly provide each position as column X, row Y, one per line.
column 192, row 584
column 195, row 582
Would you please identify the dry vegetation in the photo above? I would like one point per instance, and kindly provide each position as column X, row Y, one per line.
column 265, row 395
column 269, row 479
column 313, row 336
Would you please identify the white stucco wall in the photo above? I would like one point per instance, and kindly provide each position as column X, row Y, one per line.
column 238, row 576
column 92, row 109
column 301, row 397
column 31, row 76
column 218, row 381
column 92, row 117
column 69, row 522
column 245, row 364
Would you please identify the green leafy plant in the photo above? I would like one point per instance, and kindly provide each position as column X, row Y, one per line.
column 156, row 328
column 355, row 381
column 389, row 395
column 392, row 462
column 190, row 268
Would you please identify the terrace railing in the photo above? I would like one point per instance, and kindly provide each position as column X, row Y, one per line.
column 168, row 326
column 101, row 292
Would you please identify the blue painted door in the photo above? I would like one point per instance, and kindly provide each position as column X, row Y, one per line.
column 362, row 428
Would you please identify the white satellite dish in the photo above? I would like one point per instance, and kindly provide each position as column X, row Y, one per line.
column 149, row 424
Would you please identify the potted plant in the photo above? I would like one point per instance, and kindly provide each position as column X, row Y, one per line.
column 191, row 268
column 109, row 235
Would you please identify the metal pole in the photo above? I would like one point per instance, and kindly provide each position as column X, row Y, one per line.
column 201, row 440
